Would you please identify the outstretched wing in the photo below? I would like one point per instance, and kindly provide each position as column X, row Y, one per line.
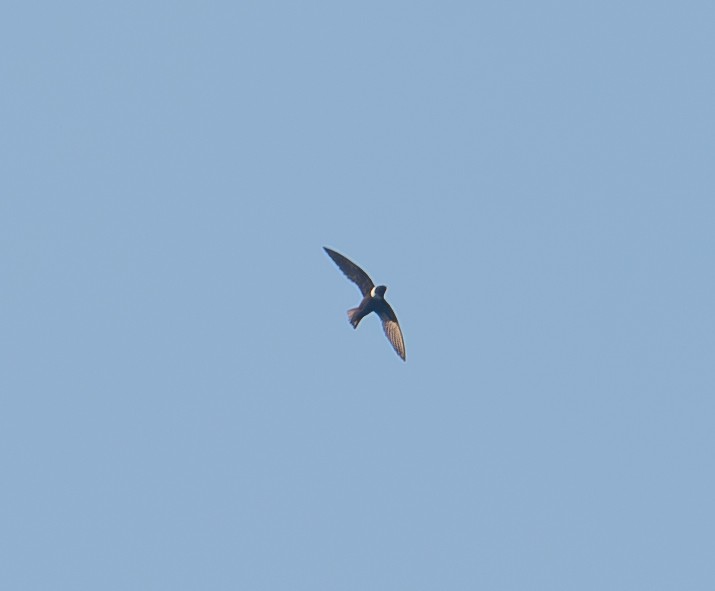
column 352, row 271
column 392, row 329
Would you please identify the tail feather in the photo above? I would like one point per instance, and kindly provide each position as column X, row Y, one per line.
column 353, row 317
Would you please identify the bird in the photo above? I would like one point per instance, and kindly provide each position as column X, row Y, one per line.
column 373, row 300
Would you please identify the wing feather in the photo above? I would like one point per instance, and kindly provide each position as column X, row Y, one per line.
column 352, row 271
column 392, row 330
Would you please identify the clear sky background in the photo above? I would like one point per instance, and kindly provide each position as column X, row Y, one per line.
column 183, row 402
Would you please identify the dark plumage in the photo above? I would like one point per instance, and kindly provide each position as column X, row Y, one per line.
column 373, row 301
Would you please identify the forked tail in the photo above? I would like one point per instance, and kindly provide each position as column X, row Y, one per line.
column 353, row 317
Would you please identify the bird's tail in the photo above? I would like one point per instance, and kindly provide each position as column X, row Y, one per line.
column 353, row 317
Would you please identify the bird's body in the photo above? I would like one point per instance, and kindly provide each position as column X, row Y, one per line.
column 373, row 301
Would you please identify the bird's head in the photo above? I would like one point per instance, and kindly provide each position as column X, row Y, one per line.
column 378, row 291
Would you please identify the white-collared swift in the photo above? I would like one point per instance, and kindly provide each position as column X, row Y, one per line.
column 373, row 300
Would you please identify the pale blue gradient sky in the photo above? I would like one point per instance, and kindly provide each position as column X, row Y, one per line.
column 183, row 403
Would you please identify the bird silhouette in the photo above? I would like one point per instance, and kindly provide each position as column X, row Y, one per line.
column 373, row 300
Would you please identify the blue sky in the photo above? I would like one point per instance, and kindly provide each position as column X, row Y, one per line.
column 184, row 404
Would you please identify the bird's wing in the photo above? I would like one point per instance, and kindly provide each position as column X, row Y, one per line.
column 392, row 329
column 352, row 271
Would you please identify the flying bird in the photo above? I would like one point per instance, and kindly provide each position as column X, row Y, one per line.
column 373, row 300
